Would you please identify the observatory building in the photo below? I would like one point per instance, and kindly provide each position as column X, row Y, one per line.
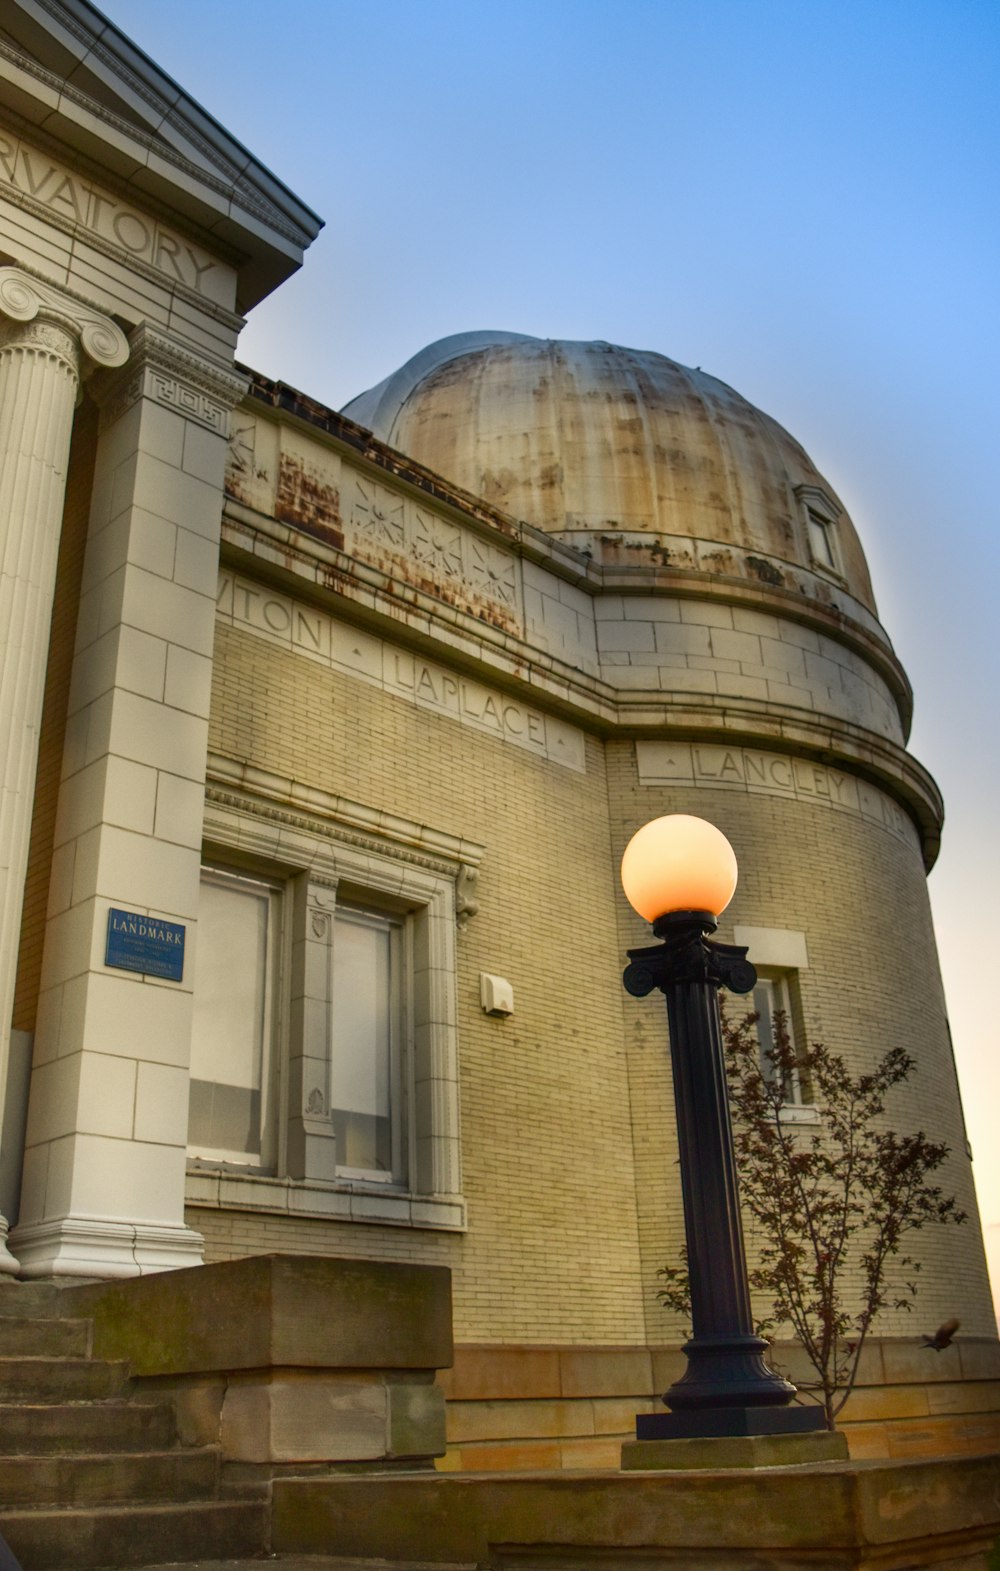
column 326, row 732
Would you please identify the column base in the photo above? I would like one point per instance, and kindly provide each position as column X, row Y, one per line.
column 93, row 1247
column 8, row 1265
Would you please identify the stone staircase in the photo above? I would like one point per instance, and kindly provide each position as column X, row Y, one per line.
column 91, row 1478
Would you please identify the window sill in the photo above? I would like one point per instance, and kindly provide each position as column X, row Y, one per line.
column 799, row 1113
column 833, row 575
column 347, row 1202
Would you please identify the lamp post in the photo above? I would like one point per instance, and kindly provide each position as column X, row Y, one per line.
column 680, row 873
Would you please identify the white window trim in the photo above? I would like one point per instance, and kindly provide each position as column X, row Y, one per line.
column 827, row 515
column 412, row 869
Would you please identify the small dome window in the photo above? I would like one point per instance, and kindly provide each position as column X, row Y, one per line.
column 822, row 534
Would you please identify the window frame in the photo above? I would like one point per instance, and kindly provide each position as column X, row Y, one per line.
column 821, row 517
column 410, row 875
column 399, row 1050
column 222, row 875
column 781, row 955
column 778, row 984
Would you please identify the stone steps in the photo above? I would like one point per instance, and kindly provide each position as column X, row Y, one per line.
column 90, row 1479
column 139, row 1534
column 20, row 1337
column 61, row 1379
column 30, row 1300
column 32, row 1429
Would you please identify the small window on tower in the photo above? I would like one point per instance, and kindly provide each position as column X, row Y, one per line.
column 822, row 540
column 772, row 1003
column 820, row 515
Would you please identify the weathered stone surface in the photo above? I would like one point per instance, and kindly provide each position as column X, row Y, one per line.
column 135, row 1535
column 733, row 1451
column 285, row 1418
column 917, row 1512
column 274, row 1310
column 416, row 1420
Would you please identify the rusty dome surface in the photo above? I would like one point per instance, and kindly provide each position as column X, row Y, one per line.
column 607, row 447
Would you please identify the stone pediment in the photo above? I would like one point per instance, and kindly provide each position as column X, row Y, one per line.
column 67, row 71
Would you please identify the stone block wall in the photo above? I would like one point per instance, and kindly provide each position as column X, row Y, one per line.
column 569, row 1409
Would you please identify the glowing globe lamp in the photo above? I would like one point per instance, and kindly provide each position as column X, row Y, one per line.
column 678, row 863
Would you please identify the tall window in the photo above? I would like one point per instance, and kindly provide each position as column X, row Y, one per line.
column 366, row 1080
column 772, row 999
column 231, row 1113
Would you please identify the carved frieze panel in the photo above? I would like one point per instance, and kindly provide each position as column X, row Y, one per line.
column 437, row 544
column 435, row 555
column 377, row 517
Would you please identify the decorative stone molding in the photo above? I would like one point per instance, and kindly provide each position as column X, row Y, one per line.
column 388, row 529
column 95, row 1247
column 465, row 906
column 176, row 377
column 52, row 340
column 279, row 800
column 24, row 297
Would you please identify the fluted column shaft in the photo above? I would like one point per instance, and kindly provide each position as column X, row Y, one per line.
column 46, row 340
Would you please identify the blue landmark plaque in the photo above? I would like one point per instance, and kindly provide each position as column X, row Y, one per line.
column 146, row 944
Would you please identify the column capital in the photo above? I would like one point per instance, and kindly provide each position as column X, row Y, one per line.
column 173, row 374
column 23, row 298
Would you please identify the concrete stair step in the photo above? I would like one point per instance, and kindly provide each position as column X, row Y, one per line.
column 61, row 1379
column 115, row 1537
column 31, row 1300
column 69, row 1427
column 89, row 1479
column 20, row 1338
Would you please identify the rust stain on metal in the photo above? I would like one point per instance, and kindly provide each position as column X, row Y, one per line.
column 303, row 501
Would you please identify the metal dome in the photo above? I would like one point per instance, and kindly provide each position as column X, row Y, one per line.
column 621, row 452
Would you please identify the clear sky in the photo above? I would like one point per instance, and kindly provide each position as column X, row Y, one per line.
column 799, row 196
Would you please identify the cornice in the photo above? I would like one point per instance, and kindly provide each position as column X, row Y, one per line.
column 221, row 163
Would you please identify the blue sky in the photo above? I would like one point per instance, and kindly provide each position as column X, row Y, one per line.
column 800, row 197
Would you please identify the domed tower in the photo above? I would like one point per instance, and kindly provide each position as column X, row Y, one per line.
column 748, row 680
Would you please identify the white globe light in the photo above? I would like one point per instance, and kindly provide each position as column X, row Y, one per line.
column 678, row 863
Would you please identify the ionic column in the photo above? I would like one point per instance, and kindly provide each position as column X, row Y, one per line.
column 46, row 340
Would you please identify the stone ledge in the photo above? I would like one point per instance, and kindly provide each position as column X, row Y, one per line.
column 910, row 1514
column 273, row 1310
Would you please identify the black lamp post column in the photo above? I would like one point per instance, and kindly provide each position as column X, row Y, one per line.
column 727, row 1389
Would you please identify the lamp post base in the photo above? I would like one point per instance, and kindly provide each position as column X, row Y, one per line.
column 719, row 1422
column 717, row 1453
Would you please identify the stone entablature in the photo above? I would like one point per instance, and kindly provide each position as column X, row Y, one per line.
column 42, row 184
column 313, row 634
